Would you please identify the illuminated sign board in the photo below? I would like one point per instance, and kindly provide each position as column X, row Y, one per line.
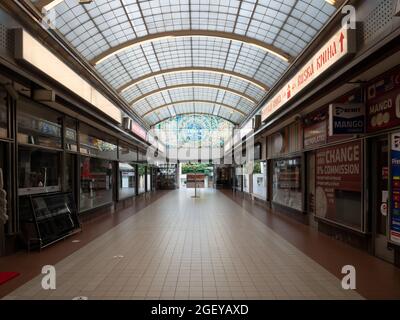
column 338, row 47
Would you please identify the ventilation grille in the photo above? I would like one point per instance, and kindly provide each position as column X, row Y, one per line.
column 378, row 20
column 6, row 41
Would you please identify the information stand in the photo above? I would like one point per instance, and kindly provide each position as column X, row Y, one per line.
column 195, row 181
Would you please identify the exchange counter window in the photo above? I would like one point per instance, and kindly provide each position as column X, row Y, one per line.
column 38, row 171
column 286, row 187
column 92, row 142
column 96, row 183
column 3, row 115
column 127, row 180
column 38, row 125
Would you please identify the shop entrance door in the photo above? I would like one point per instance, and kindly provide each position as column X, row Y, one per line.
column 379, row 188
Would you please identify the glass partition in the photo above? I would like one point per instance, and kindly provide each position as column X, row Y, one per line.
column 38, row 125
column 286, row 186
column 96, row 183
column 93, row 142
column 38, row 171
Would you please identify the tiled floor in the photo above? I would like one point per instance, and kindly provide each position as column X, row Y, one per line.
column 185, row 248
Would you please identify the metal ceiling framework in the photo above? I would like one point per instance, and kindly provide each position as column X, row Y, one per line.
column 228, row 53
column 232, row 109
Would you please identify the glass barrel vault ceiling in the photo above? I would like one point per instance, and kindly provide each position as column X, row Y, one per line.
column 170, row 57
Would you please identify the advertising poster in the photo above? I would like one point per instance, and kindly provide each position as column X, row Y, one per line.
column 395, row 212
column 339, row 183
column 346, row 119
column 383, row 108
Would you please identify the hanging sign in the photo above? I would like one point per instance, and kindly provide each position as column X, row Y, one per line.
column 315, row 134
column 383, row 108
column 334, row 50
column 346, row 119
column 395, row 200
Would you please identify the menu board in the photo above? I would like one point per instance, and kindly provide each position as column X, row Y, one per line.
column 195, row 181
column 339, row 183
column 395, row 212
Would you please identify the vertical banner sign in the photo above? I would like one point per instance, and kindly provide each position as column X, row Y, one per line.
column 395, row 212
column 338, row 170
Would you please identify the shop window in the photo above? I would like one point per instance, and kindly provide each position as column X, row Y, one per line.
column 38, row 171
column 71, row 138
column 127, row 180
column 96, row 183
column 141, row 179
column 127, row 153
column 286, row 185
column 38, row 125
column 93, row 142
column 3, row 115
column 338, row 183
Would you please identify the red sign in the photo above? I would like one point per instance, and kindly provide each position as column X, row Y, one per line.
column 338, row 168
column 337, row 47
column 315, row 134
column 383, row 105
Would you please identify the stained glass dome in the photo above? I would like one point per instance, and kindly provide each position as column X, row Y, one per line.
column 194, row 130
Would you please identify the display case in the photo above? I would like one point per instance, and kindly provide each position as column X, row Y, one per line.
column 47, row 218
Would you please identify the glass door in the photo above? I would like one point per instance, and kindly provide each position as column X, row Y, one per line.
column 379, row 187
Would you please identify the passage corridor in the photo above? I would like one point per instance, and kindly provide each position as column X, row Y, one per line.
column 180, row 247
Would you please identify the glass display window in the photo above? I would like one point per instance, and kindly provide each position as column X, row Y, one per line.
column 96, row 183
column 127, row 180
column 38, row 171
column 39, row 125
column 93, row 142
column 286, row 186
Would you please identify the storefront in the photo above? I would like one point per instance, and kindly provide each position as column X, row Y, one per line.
column 287, row 166
column 97, row 168
column 128, row 156
column 383, row 128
